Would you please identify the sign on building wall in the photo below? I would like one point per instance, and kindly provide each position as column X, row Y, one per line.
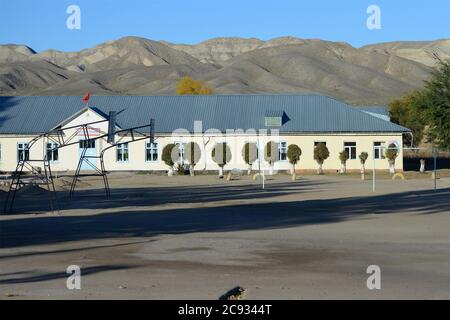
column 92, row 132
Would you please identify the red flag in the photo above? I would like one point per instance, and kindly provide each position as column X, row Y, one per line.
column 86, row 97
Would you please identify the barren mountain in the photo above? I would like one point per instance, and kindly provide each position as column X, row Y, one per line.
column 30, row 77
column 218, row 50
column 373, row 74
column 15, row 53
column 334, row 69
column 123, row 53
column 424, row 52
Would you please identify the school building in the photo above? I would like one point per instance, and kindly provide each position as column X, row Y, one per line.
column 301, row 119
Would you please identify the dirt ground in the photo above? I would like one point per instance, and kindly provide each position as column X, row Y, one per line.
column 197, row 237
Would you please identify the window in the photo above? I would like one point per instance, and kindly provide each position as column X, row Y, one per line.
column 378, row 153
column 350, row 149
column 282, row 151
column 23, row 153
column 273, row 121
column 52, row 155
column 122, row 152
column 180, row 146
column 88, row 144
column 317, row 142
column 151, row 151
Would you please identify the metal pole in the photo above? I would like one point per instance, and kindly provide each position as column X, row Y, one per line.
column 373, row 169
column 412, row 140
column 434, row 170
column 261, row 178
column 263, row 182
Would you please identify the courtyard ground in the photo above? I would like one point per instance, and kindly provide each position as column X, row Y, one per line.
column 197, row 237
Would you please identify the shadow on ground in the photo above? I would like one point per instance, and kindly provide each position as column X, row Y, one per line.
column 37, row 200
column 34, row 276
column 26, row 231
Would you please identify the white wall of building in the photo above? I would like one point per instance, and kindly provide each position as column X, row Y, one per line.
column 68, row 156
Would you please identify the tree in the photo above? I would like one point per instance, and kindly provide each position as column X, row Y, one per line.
column 250, row 154
column 391, row 154
column 362, row 158
column 293, row 153
column 407, row 112
column 427, row 111
column 167, row 157
column 192, row 154
column 343, row 156
column 435, row 105
column 271, row 154
column 321, row 153
column 221, row 154
column 187, row 85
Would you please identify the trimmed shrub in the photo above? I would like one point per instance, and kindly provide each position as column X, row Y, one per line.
column 271, row 152
column 221, row 154
column 321, row 153
column 363, row 157
column 167, row 154
column 250, row 152
column 192, row 153
column 343, row 156
column 391, row 153
column 293, row 153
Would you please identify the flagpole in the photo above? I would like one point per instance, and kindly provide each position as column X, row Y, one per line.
column 86, row 98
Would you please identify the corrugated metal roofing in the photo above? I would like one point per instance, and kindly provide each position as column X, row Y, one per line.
column 377, row 111
column 307, row 113
column 274, row 113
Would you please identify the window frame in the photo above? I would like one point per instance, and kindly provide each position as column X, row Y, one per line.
column 124, row 149
column 317, row 142
column 181, row 146
column 25, row 150
column 149, row 146
column 285, row 150
column 47, row 150
column 379, row 149
column 348, row 149
column 82, row 143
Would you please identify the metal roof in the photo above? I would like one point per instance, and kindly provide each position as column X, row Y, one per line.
column 377, row 111
column 274, row 113
column 381, row 110
column 307, row 113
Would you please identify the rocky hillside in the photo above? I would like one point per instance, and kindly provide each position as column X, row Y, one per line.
column 372, row 74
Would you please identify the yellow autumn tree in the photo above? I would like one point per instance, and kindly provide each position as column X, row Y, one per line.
column 187, row 85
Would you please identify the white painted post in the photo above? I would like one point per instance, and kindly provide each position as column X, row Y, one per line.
column 373, row 168
column 261, row 178
column 434, row 170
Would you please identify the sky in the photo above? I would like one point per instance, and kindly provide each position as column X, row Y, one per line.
column 41, row 24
